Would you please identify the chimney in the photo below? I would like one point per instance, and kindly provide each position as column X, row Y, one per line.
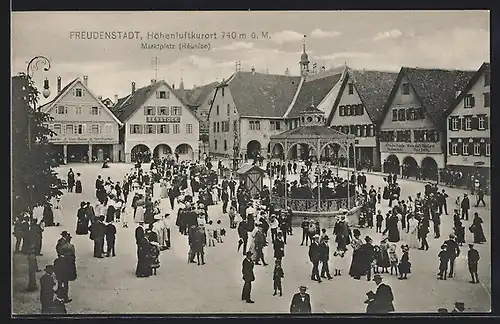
column 116, row 99
column 58, row 85
column 86, row 80
column 253, row 70
column 323, row 68
column 153, row 81
column 133, row 87
column 99, row 97
column 287, row 72
column 173, row 85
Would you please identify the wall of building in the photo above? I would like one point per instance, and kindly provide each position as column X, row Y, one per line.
column 479, row 134
column 218, row 117
column 203, row 113
column 187, row 134
column 401, row 149
column 262, row 135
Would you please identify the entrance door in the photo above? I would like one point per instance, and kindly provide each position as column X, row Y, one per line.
column 100, row 155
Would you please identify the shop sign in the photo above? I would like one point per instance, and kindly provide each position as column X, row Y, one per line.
column 83, row 140
column 399, row 147
column 161, row 119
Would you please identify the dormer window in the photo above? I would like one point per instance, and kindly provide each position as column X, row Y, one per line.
column 405, row 88
column 162, row 95
column 351, row 88
column 78, row 92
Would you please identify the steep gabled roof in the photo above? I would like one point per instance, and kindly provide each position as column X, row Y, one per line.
column 46, row 108
column 485, row 67
column 316, row 90
column 199, row 94
column 435, row 88
column 128, row 105
column 373, row 87
column 263, row 95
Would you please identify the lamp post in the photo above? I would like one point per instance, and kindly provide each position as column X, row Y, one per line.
column 33, row 66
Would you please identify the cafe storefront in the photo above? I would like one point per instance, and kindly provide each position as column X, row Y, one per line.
column 427, row 156
column 87, row 148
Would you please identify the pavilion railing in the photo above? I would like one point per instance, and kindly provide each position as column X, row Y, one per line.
column 313, row 205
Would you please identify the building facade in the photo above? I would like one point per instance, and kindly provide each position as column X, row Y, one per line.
column 357, row 111
column 86, row 130
column 413, row 129
column 157, row 123
column 468, row 136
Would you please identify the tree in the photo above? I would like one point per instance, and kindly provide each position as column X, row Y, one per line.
column 34, row 179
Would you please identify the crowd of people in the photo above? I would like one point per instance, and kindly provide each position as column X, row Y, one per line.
column 195, row 186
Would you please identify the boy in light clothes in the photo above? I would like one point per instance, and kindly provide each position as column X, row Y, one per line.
column 218, row 229
column 209, row 233
column 339, row 261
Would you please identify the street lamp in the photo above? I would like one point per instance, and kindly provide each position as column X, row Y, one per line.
column 33, row 66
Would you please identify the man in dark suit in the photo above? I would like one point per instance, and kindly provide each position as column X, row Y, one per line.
column 314, row 257
column 465, row 206
column 301, row 302
column 139, row 235
column 279, row 247
column 243, row 234
column 382, row 301
column 248, row 277
column 453, row 252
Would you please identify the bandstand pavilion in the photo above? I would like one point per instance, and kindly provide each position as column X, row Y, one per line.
column 319, row 141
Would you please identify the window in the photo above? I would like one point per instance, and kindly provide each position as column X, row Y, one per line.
column 358, row 131
column 217, row 110
column 95, row 111
column 454, row 124
column 222, row 91
column 218, row 127
column 80, row 130
column 69, row 129
column 394, row 115
column 61, row 110
column 465, row 148
column 162, row 95
column 176, row 111
column 401, row 114
column 189, row 128
column 481, row 121
column 487, row 149
column 410, row 114
column 78, row 93
column 403, row 136
column 228, row 109
column 405, row 88
column 278, row 125
column 225, row 145
column 150, row 129
column 162, row 111
column 273, row 125
column 371, row 131
column 254, row 125
column 454, row 149
column 353, row 110
column 341, row 111
column 486, row 98
column 469, row 101
column 351, row 88
column 57, row 129
column 94, row 129
column 419, row 113
column 163, row 129
column 477, row 149
column 176, row 128
column 487, row 78
column 468, row 123
column 135, row 129
column 149, row 111
column 215, row 144
column 215, row 127
column 78, row 110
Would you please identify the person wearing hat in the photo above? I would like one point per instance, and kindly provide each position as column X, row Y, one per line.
column 278, row 275
column 404, row 265
column 472, row 261
column 301, row 302
column 324, row 257
column 459, row 307
column 383, row 297
column 97, row 234
column 443, row 262
column 305, row 231
column 453, row 252
column 82, row 224
column 465, row 206
column 248, row 277
column 314, row 257
column 110, row 235
column 65, row 264
column 47, row 285
column 279, row 247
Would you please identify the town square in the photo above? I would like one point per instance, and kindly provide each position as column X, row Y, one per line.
column 336, row 184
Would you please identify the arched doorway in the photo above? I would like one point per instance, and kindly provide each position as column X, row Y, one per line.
column 276, row 151
column 301, row 151
column 391, row 164
column 141, row 153
column 162, row 151
column 429, row 168
column 335, row 154
column 410, row 167
column 185, row 152
column 253, row 149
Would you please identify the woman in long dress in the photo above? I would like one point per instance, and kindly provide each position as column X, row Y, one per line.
column 477, row 229
column 143, row 263
column 78, row 183
column 139, row 212
column 356, row 269
column 412, row 235
column 392, row 227
column 56, row 210
column 158, row 229
column 82, row 223
column 163, row 189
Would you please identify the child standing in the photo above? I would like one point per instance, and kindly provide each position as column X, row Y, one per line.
column 339, row 261
column 219, row 231
column 385, row 262
column 376, row 259
column 472, row 261
column 459, row 232
column 404, row 264
column 380, row 219
column 209, row 232
column 379, row 195
column 278, row 274
column 443, row 263
column 393, row 258
column 369, row 218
